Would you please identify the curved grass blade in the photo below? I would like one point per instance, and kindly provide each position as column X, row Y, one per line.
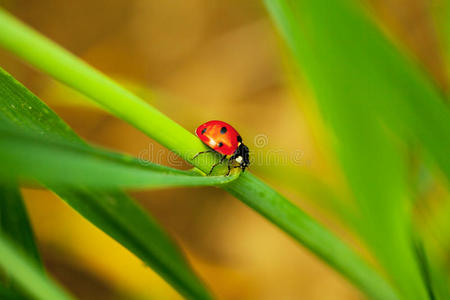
column 27, row 274
column 277, row 209
column 117, row 215
column 424, row 267
column 69, row 69
column 315, row 189
column 86, row 166
column 113, row 212
column 351, row 50
column 14, row 221
column 363, row 84
column 8, row 294
column 436, row 246
column 15, row 224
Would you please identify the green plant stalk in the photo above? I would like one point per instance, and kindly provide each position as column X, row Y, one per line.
column 25, row 272
column 333, row 43
column 89, row 167
column 308, row 232
column 15, row 224
column 8, row 294
column 67, row 68
column 440, row 11
column 14, row 221
column 111, row 211
column 57, row 62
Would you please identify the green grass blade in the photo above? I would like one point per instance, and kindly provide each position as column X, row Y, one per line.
column 27, row 274
column 308, row 232
column 316, row 190
column 353, row 51
column 14, row 221
column 117, row 215
column 113, row 212
column 8, row 294
column 433, row 278
column 15, row 224
column 362, row 84
column 436, row 246
column 86, row 166
column 69, row 69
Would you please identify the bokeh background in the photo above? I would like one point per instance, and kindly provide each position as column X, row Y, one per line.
column 196, row 61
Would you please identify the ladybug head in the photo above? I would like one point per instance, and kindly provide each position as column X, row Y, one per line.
column 241, row 156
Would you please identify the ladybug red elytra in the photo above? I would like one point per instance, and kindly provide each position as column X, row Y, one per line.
column 224, row 139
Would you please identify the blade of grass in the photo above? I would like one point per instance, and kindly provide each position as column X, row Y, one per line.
column 316, row 190
column 394, row 87
column 14, row 221
column 15, row 224
column 67, row 68
column 118, row 216
column 439, row 279
column 432, row 265
column 425, row 268
column 86, row 166
column 359, row 79
column 113, row 212
column 308, row 232
column 27, row 274
column 117, row 100
column 8, row 294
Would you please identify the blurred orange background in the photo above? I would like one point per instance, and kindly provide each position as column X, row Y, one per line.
column 196, row 61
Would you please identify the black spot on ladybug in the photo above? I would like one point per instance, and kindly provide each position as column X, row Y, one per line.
column 239, row 139
column 204, row 130
column 220, row 144
column 223, row 130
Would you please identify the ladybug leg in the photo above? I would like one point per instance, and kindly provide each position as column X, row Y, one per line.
column 202, row 153
column 229, row 169
column 216, row 164
column 230, row 163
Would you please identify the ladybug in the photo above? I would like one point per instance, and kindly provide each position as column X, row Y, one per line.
column 221, row 137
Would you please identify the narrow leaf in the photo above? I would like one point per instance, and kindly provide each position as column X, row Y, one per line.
column 8, row 294
column 14, row 221
column 15, row 224
column 363, row 86
column 86, row 166
column 25, row 272
column 113, row 212
column 312, row 235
